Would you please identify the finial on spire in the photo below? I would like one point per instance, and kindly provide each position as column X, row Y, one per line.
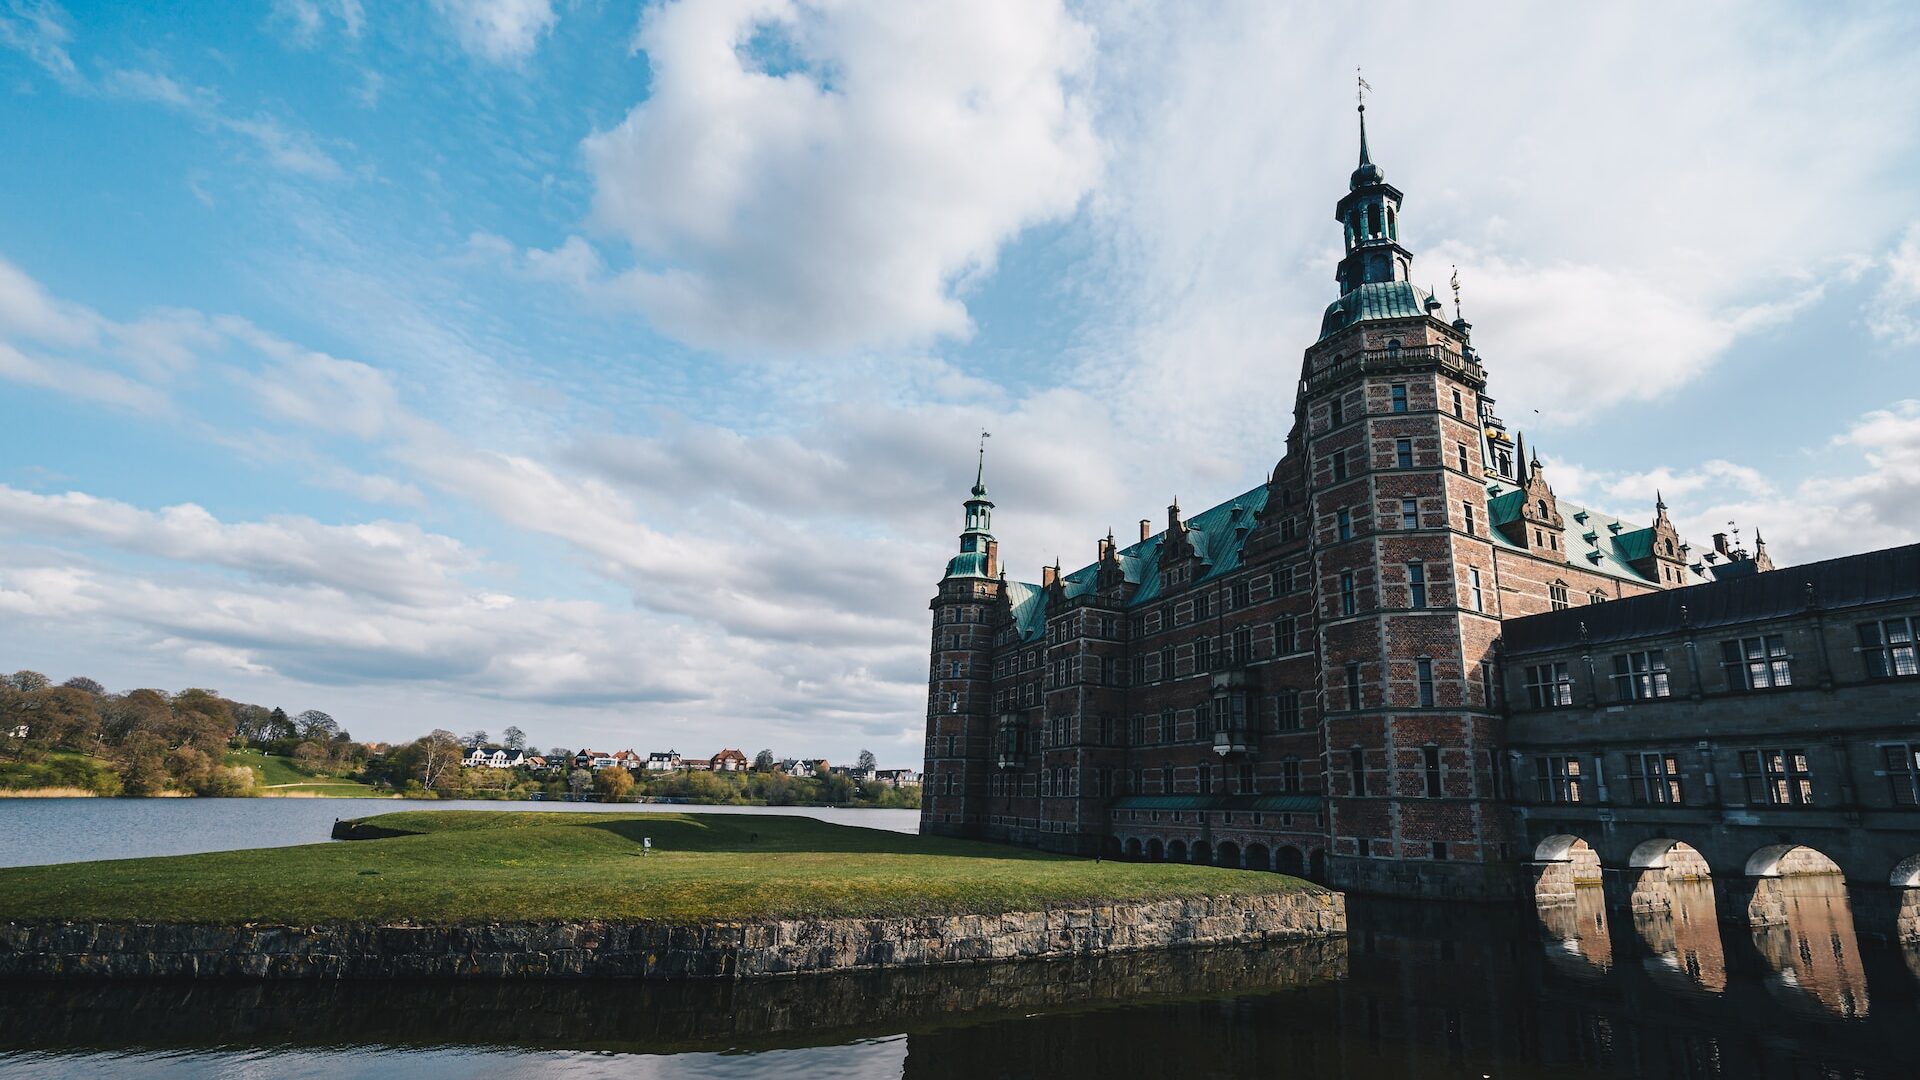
column 1360, row 94
column 980, row 473
column 1660, row 501
column 1455, row 282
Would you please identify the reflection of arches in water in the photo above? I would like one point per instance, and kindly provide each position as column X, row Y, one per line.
column 1202, row 853
column 1808, row 937
column 1155, row 852
column 1287, row 860
column 1576, row 936
column 1257, row 858
column 1228, row 854
column 1133, row 848
column 1177, row 851
column 1317, row 866
column 1683, row 934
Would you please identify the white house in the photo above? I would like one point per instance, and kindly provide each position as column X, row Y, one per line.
column 494, row 757
column 663, row 761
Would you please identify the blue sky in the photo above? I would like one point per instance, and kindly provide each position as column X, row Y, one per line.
column 613, row 369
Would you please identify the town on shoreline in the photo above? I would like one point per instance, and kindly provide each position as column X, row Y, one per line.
column 77, row 739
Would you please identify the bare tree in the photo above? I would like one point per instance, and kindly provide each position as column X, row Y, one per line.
column 316, row 725
column 763, row 761
column 476, row 737
column 867, row 762
column 579, row 780
column 81, row 682
column 439, row 751
column 28, row 682
column 514, row 738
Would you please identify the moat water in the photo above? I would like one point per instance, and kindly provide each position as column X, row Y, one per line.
column 1414, row 991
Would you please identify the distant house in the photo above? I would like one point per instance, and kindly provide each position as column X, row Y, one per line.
column 896, row 777
column 629, row 760
column 696, row 765
column 494, row 757
column 809, row 766
column 663, row 761
column 854, row 772
column 594, row 759
column 536, row 762
column 728, row 761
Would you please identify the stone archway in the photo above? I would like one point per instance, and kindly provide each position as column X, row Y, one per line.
column 1562, row 865
column 1227, row 854
column 1177, row 851
column 1202, row 853
column 1133, row 848
column 1156, row 852
column 1257, row 857
column 1288, row 860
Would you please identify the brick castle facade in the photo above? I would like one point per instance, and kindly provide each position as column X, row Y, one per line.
column 1302, row 678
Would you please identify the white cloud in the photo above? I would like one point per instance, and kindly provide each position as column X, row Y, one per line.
column 39, row 29
column 813, row 177
column 1894, row 314
column 385, row 559
column 501, row 31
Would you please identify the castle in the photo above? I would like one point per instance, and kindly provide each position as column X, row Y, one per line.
column 1304, row 678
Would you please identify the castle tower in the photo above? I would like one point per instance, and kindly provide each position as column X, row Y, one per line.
column 969, row 606
column 1404, row 570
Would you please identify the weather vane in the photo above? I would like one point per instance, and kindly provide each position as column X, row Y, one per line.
column 1360, row 92
column 1455, row 282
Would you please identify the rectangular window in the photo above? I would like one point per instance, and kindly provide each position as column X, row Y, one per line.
column 1357, row 770
column 1473, row 583
column 1416, row 585
column 1399, row 397
column 1433, row 771
column 1655, row 779
column 1640, row 676
column 1887, row 646
column 1549, row 686
column 1339, row 465
column 1756, row 663
column 1466, row 509
column 1286, row 634
column 1457, row 406
column 1440, row 850
column 1166, row 662
column 1902, row 761
column 1558, row 779
column 1242, row 646
column 1349, row 598
column 1777, row 777
column 1424, row 676
column 1203, row 653
column 1353, row 686
column 1286, row 710
column 1460, row 455
column 1344, row 522
column 1557, row 596
column 1403, row 453
column 1409, row 513
column 1335, row 414
column 1290, row 776
column 1488, row 689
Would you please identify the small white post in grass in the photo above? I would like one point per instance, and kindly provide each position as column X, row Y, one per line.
column 646, row 846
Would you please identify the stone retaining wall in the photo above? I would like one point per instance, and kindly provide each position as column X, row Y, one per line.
column 652, row 950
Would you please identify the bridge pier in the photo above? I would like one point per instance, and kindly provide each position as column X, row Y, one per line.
column 1633, row 889
column 1886, row 911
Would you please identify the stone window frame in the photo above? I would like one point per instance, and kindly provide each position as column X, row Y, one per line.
column 1654, row 778
column 1888, row 648
column 1761, row 662
column 1641, row 675
column 1777, row 776
column 1549, row 685
column 1559, row 778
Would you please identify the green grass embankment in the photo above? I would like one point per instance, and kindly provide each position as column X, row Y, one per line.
column 480, row 866
column 278, row 775
column 62, row 773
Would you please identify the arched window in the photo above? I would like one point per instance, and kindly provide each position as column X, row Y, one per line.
column 1540, row 505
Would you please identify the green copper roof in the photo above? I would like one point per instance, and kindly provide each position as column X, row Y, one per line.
column 1216, row 533
column 1594, row 541
column 1371, row 301
column 968, row 564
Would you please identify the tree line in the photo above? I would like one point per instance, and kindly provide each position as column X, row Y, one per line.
column 150, row 742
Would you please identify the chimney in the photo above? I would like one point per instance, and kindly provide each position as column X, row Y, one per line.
column 1101, row 551
column 1048, row 575
column 993, row 558
column 1146, row 527
column 1720, row 544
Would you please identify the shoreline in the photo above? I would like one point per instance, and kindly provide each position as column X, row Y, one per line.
column 649, row 950
column 83, row 793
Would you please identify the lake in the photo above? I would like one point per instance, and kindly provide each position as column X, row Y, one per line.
column 36, row 831
column 1414, row 991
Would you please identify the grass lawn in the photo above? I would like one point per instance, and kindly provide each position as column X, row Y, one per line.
column 460, row 866
column 281, row 776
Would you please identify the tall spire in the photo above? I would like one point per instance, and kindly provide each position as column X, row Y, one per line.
column 1370, row 219
column 980, row 472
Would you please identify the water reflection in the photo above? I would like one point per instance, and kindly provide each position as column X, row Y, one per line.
column 1682, row 934
column 1416, row 991
column 1574, row 925
column 1812, row 949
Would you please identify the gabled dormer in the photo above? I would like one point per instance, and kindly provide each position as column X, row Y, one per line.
column 1539, row 527
column 1657, row 553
